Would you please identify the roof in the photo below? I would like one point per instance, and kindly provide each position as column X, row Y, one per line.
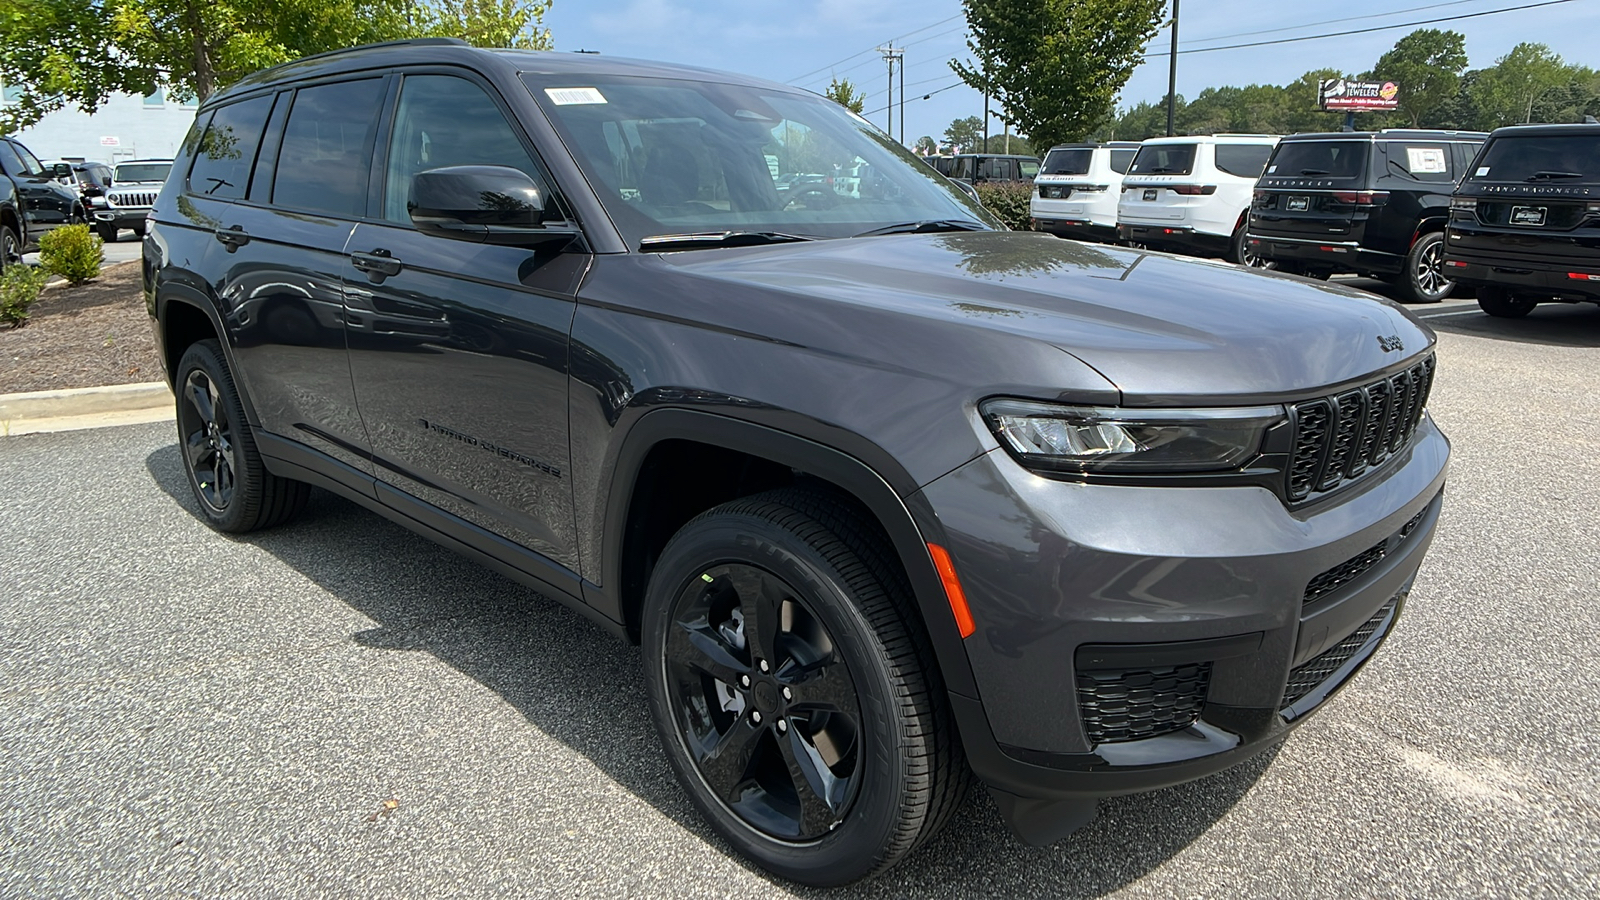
column 1389, row 134
column 1090, row 145
column 1530, row 130
column 997, row 155
column 1192, row 138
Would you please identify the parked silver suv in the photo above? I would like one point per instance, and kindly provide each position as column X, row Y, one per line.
column 133, row 191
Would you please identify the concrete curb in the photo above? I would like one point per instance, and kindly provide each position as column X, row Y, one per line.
column 63, row 410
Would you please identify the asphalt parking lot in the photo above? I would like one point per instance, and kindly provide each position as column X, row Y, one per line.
column 340, row 708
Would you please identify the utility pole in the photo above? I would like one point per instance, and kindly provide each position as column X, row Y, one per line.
column 892, row 56
column 985, row 105
column 1172, row 72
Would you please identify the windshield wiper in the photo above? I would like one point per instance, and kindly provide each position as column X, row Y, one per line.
column 926, row 226
column 1162, row 170
column 1547, row 175
column 1313, row 171
column 701, row 240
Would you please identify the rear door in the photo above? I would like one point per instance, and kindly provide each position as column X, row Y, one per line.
column 1537, row 199
column 1307, row 187
column 459, row 350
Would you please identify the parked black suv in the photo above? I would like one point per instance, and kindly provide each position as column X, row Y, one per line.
column 1373, row 203
column 977, row 168
column 1525, row 224
column 31, row 201
column 890, row 496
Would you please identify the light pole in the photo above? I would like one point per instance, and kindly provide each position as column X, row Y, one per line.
column 1172, row 71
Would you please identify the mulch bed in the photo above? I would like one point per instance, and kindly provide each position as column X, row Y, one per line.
column 86, row 336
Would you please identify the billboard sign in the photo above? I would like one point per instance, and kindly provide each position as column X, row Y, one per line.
column 1344, row 95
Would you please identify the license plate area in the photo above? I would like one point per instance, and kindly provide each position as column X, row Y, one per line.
column 1298, row 204
column 1151, row 193
column 1531, row 216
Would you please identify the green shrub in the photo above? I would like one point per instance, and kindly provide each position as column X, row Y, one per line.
column 1008, row 200
column 72, row 252
column 20, row 285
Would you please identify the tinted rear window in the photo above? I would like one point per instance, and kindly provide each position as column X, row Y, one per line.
column 228, row 148
column 1073, row 161
column 1323, row 159
column 1163, row 159
column 1121, row 159
column 1559, row 156
column 1243, row 160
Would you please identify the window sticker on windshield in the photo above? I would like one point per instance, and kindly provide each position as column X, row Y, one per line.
column 1426, row 160
column 574, row 96
column 1482, row 171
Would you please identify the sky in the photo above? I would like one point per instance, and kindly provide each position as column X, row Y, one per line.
column 805, row 42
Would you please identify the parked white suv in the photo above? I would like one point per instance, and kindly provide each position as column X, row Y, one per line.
column 1075, row 193
column 1190, row 194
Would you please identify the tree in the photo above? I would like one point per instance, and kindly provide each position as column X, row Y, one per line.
column 1426, row 65
column 1056, row 66
column 53, row 52
column 926, row 146
column 845, row 94
column 964, row 134
column 1506, row 92
column 485, row 23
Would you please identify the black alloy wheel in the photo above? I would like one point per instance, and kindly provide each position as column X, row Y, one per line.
column 235, row 491
column 768, row 709
column 1424, row 280
column 794, row 690
column 1245, row 255
column 10, row 248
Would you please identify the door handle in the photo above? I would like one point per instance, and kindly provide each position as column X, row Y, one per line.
column 233, row 238
column 378, row 262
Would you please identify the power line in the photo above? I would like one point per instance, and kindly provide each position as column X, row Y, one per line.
column 803, row 81
column 1333, row 34
column 870, row 50
column 923, row 97
column 1384, row 15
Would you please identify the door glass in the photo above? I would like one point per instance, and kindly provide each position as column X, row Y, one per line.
column 327, row 148
column 228, row 147
column 448, row 121
column 1030, row 169
column 30, row 163
column 8, row 159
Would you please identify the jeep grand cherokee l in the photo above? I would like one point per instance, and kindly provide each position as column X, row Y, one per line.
column 891, row 497
column 1373, row 203
column 1525, row 223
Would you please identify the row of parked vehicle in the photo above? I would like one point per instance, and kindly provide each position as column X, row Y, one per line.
column 1510, row 214
column 37, row 196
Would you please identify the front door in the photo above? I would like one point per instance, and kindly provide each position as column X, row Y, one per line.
column 459, row 350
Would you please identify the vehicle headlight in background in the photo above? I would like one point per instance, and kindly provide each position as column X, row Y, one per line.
column 1116, row 440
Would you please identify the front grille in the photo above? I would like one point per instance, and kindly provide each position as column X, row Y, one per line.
column 1129, row 704
column 1353, row 568
column 1303, row 679
column 132, row 199
column 1338, row 438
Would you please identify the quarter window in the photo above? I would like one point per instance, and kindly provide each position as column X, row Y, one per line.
column 228, row 148
column 1423, row 162
column 447, row 121
column 326, row 153
column 1243, row 160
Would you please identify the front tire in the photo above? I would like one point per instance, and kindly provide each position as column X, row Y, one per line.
column 10, row 248
column 1502, row 304
column 1424, row 281
column 235, row 491
column 794, row 690
column 108, row 233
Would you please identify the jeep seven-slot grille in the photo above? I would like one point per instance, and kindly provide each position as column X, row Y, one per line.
column 1129, row 704
column 1353, row 568
column 132, row 199
column 1337, row 438
column 1303, row 679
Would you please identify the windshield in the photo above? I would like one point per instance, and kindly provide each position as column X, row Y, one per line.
column 1559, row 157
column 686, row 157
column 136, row 172
column 1328, row 159
column 1163, row 159
column 1067, row 161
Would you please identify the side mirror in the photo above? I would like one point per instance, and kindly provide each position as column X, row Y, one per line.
column 480, row 204
column 61, row 170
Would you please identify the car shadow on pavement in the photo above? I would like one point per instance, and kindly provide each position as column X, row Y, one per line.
column 583, row 687
column 1553, row 324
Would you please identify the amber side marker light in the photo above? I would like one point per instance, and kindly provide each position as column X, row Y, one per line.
column 952, row 590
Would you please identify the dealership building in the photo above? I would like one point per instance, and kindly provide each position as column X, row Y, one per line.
column 126, row 126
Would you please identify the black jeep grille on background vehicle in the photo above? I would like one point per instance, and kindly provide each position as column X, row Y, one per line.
column 1338, row 438
column 1303, row 679
column 1130, row 704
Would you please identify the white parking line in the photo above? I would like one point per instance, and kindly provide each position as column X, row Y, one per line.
column 1459, row 312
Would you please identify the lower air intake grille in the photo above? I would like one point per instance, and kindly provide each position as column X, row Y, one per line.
column 1129, row 704
column 1305, row 678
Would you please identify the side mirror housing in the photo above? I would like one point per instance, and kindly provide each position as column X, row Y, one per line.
column 480, row 204
column 61, row 170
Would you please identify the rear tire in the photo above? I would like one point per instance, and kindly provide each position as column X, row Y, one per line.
column 235, row 491
column 1241, row 253
column 1423, row 280
column 859, row 765
column 1501, row 303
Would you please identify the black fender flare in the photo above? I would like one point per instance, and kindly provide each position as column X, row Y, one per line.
column 905, row 518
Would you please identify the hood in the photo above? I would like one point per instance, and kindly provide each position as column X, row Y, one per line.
column 1164, row 329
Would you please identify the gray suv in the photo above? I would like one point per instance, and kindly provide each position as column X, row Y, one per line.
column 894, row 500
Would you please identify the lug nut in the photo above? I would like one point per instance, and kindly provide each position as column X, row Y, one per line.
column 788, row 694
column 764, row 666
column 782, row 726
column 755, row 716
column 744, row 680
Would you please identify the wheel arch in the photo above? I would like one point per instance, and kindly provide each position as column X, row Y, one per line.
column 184, row 317
column 660, row 434
column 1429, row 225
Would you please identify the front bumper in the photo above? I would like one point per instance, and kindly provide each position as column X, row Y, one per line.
column 1069, row 582
column 1539, row 279
column 121, row 217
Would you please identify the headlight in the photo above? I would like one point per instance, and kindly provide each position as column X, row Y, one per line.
column 1117, row 440
column 97, row 201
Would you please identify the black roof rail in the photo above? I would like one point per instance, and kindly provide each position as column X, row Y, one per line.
column 407, row 42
